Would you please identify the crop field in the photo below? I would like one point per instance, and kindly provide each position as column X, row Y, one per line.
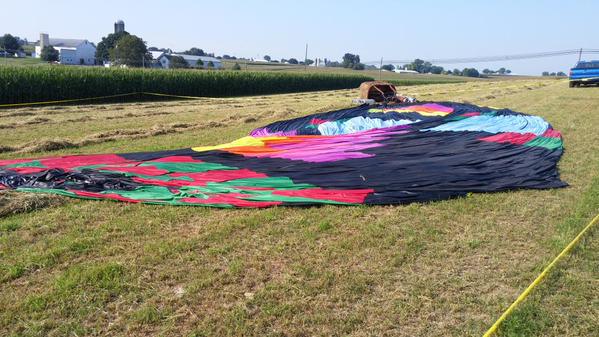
column 36, row 84
column 74, row 267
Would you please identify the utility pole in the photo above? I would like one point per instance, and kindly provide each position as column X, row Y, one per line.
column 579, row 54
column 381, row 69
column 306, row 58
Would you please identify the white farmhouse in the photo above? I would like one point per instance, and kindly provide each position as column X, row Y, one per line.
column 72, row 51
column 164, row 60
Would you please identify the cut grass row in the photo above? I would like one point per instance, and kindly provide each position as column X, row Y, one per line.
column 36, row 84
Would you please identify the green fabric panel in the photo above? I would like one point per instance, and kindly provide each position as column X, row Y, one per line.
column 188, row 167
column 145, row 192
column 59, row 192
column 35, row 163
column 546, row 142
column 164, row 177
column 270, row 182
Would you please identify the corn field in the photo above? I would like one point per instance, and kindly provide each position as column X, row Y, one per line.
column 38, row 84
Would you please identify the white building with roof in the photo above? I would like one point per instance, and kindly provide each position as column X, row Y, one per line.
column 72, row 51
column 163, row 60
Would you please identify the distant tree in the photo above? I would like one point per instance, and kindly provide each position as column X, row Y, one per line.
column 210, row 65
column 10, row 43
column 309, row 62
column 49, row 54
column 487, row 71
column 267, row 58
column 507, row 71
column 545, row 73
column 195, row 51
column 422, row 67
column 350, row 60
column 470, row 72
column 334, row 64
column 436, row 69
column 178, row 62
column 130, row 50
column 553, row 74
column 561, row 73
column 292, row 61
column 283, row 61
column 236, row 66
column 108, row 42
column 388, row 67
column 457, row 72
column 359, row 66
column 501, row 71
column 200, row 63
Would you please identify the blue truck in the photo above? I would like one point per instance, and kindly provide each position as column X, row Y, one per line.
column 584, row 73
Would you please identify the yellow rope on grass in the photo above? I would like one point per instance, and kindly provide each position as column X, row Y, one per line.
column 67, row 100
column 539, row 278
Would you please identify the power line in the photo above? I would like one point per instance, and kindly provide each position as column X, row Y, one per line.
column 498, row 58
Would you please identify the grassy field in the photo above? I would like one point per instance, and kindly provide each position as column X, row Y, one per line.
column 397, row 78
column 74, row 267
column 24, row 61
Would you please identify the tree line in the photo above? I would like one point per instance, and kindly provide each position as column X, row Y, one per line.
column 559, row 73
column 425, row 67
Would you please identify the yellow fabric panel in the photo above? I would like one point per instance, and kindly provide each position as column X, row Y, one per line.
column 241, row 142
column 426, row 113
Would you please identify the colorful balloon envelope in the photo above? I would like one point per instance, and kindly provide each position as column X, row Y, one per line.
column 364, row 155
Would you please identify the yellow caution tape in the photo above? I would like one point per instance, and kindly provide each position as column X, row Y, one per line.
column 539, row 278
column 97, row 98
column 67, row 100
column 168, row 95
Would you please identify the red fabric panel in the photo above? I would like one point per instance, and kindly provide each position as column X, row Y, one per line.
column 218, row 176
column 142, row 170
column 201, row 178
column 14, row 161
column 231, row 199
column 69, row 162
column 27, row 170
column 510, row 137
column 551, row 133
column 318, row 121
column 103, row 196
column 351, row 196
column 178, row 159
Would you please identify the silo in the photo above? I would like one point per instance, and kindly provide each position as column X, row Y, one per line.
column 44, row 40
column 119, row 26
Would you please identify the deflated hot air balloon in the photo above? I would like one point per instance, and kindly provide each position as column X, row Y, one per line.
column 381, row 154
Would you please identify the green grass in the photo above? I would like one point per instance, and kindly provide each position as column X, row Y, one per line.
column 448, row 268
column 22, row 61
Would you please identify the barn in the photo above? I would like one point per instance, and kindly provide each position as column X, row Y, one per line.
column 164, row 60
column 72, row 51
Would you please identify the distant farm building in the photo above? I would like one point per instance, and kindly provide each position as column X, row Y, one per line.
column 72, row 51
column 163, row 60
column 404, row 71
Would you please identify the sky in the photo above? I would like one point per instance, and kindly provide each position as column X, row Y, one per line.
column 393, row 30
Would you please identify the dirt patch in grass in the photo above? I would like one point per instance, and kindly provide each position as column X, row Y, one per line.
column 47, row 145
column 15, row 202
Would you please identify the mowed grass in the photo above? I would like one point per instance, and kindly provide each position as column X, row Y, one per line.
column 449, row 268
